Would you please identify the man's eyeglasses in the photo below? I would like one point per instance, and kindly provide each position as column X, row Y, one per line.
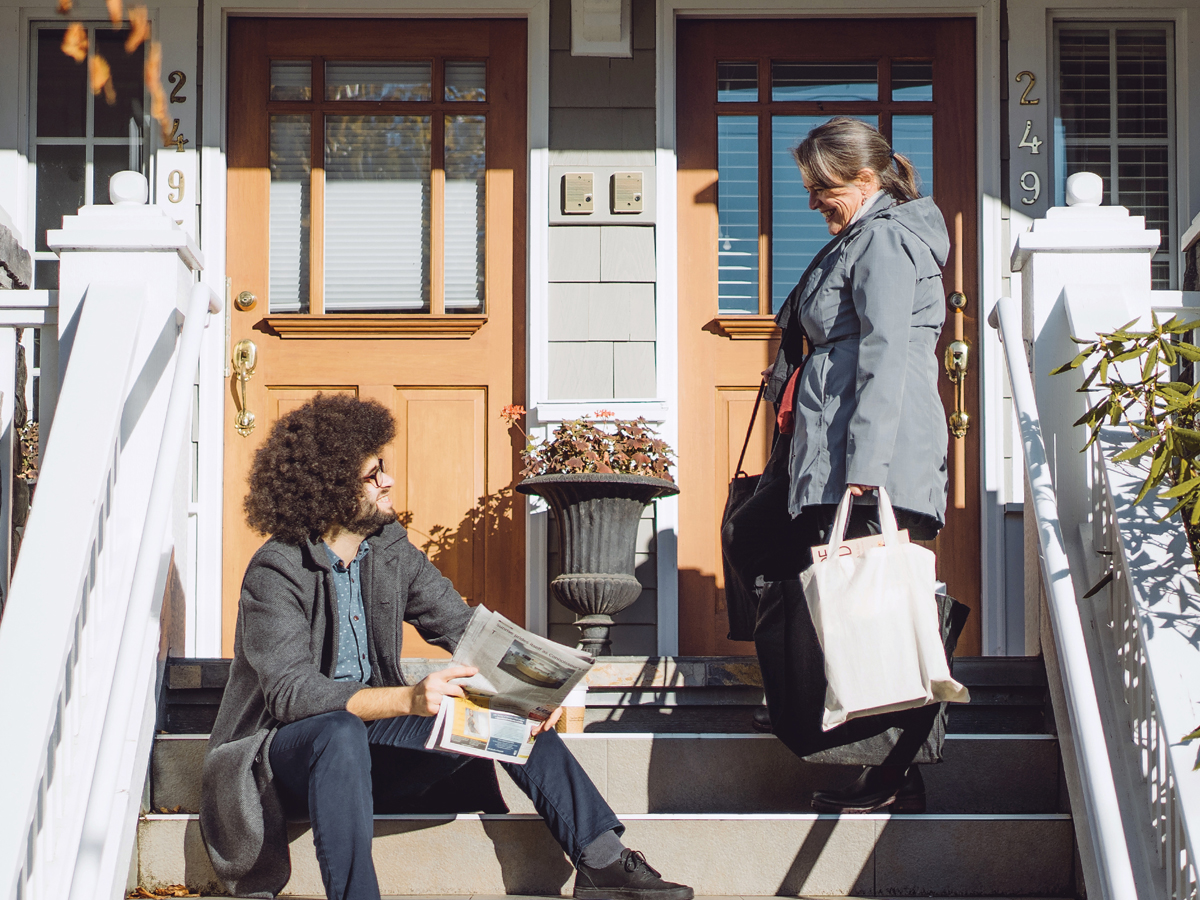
column 374, row 476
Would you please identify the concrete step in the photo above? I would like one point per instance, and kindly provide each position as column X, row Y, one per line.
column 718, row 854
column 660, row 773
column 669, row 694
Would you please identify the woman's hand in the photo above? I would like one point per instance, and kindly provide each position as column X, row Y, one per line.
column 859, row 489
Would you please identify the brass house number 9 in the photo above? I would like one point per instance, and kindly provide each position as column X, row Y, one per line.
column 1031, row 182
column 175, row 182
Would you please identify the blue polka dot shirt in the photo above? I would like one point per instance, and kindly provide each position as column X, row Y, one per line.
column 352, row 662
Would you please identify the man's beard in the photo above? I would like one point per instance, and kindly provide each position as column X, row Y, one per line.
column 369, row 521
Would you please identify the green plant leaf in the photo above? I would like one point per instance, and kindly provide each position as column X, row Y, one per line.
column 1138, row 449
column 1190, row 352
column 1073, row 364
column 1150, row 364
column 1182, row 489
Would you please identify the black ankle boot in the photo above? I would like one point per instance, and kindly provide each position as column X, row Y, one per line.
column 876, row 790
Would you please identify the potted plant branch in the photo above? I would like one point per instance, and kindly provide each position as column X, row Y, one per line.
column 597, row 474
column 1127, row 372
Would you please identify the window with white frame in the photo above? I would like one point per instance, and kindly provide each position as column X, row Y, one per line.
column 78, row 140
column 1116, row 117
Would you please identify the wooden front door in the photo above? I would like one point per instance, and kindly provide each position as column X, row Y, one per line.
column 749, row 91
column 376, row 212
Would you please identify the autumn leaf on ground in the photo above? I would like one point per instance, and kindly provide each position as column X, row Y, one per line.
column 101, row 77
column 75, row 42
column 116, row 12
column 64, row 7
column 139, row 28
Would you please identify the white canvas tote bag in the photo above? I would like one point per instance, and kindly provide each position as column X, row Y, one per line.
column 873, row 608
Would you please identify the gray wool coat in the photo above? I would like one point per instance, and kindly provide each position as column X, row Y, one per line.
column 282, row 671
column 867, row 409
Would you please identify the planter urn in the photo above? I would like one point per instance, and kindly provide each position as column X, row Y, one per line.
column 597, row 531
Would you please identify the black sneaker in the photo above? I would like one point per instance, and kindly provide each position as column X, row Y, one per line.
column 629, row 878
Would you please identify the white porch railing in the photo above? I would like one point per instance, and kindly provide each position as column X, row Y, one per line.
column 79, row 640
column 36, row 310
column 1153, row 626
column 1097, row 808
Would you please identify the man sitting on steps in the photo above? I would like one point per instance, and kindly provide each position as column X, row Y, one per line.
column 315, row 679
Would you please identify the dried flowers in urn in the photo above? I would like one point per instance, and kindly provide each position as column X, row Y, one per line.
column 601, row 444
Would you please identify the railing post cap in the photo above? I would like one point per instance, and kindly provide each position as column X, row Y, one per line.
column 1085, row 189
column 128, row 189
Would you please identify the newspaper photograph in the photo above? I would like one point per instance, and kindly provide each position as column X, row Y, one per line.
column 528, row 672
column 522, row 679
column 471, row 725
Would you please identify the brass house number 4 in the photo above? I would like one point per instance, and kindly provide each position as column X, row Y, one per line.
column 1030, row 181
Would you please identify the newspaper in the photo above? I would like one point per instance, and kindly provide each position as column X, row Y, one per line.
column 522, row 679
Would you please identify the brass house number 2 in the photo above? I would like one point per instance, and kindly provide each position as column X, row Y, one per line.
column 1030, row 181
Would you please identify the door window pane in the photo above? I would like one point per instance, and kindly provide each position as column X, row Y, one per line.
column 128, row 82
column 289, row 228
column 912, row 136
column 465, row 211
column 62, row 90
column 60, row 187
column 291, row 80
column 377, row 219
column 737, row 214
column 833, row 81
column 912, row 80
column 466, row 81
column 377, row 80
column 798, row 233
column 737, row 82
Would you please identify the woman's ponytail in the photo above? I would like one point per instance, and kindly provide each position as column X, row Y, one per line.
column 903, row 180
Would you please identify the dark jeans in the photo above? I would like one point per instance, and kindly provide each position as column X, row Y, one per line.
column 323, row 765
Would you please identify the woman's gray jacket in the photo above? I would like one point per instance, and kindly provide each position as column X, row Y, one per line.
column 867, row 409
column 282, row 671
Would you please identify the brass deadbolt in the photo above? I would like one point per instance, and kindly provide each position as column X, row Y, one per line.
column 245, row 301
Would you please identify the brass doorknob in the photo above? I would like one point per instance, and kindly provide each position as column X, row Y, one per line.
column 245, row 360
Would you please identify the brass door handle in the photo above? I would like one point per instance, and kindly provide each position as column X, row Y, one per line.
column 245, row 359
column 958, row 356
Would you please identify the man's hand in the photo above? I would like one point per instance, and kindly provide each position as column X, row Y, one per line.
column 423, row 699
column 859, row 489
column 549, row 724
column 429, row 691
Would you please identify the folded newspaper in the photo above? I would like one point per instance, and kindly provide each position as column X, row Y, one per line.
column 522, row 679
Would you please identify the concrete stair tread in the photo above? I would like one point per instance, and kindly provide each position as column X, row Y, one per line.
column 655, row 773
column 944, row 855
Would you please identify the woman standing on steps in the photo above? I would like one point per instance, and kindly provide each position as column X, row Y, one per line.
column 859, row 411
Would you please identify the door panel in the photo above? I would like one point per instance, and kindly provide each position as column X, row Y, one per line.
column 376, row 210
column 748, row 91
column 441, row 469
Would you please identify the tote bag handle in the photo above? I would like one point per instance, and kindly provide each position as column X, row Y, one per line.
column 762, row 386
column 841, row 522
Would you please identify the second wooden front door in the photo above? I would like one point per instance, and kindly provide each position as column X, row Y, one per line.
column 749, row 91
column 376, row 213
